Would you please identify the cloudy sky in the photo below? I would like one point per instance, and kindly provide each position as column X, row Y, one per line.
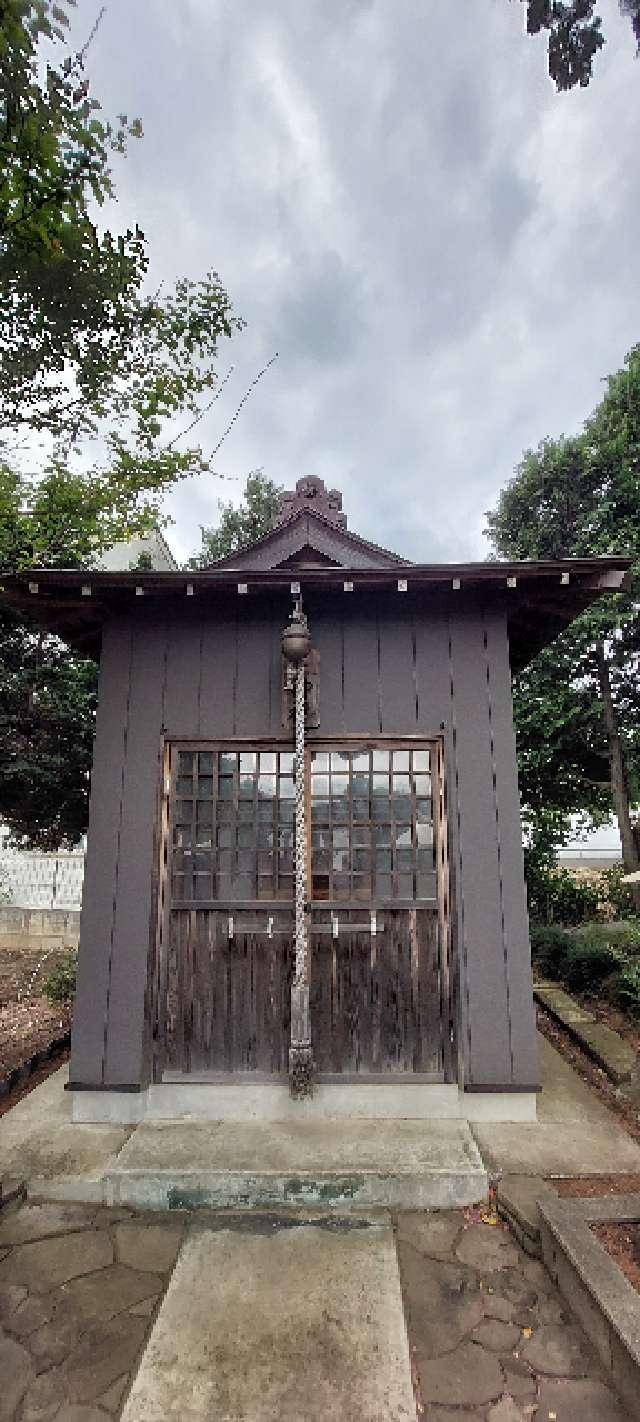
column 443, row 250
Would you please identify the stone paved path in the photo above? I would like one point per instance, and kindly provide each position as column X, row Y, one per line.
column 491, row 1338
column 79, row 1290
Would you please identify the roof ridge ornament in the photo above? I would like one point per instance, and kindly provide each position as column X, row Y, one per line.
column 311, row 496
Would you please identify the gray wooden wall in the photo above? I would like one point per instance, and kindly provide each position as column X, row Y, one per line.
column 391, row 665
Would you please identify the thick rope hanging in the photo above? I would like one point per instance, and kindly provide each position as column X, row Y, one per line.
column 300, row 1052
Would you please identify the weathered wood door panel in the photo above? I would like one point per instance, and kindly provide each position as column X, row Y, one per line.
column 228, row 999
column 375, row 997
column 228, row 930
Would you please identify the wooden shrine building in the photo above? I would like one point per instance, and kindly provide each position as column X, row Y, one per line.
column 418, row 981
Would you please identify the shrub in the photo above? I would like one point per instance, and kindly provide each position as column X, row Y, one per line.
column 623, row 936
column 60, row 985
column 626, row 987
column 616, row 899
column 588, row 962
column 555, row 896
column 549, row 946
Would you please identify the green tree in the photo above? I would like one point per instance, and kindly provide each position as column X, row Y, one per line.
column 86, row 355
column 240, row 525
column 578, row 704
column 575, row 35
column 84, row 350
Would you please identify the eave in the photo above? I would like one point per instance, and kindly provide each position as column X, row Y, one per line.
column 540, row 598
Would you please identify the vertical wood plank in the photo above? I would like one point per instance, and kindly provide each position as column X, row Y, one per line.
column 488, row 1060
column 361, row 709
column 128, row 997
column 254, row 659
column 101, row 870
column 398, row 713
column 218, row 670
column 183, row 677
column 431, row 632
column 514, row 907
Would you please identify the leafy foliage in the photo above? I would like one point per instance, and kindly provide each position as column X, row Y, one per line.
column 588, row 962
column 575, row 36
column 626, row 988
column 80, row 344
column 240, row 526
column 60, row 985
column 85, row 355
column 555, row 896
column 548, row 949
column 578, row 497
column 597, row 960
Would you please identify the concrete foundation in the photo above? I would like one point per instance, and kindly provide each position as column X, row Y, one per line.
column 270, row 1101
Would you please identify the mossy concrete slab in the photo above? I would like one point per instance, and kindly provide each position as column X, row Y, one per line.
column 405, row 1164
column 299, row 1322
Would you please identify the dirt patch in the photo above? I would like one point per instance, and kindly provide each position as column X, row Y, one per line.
column 590, row 1186
column 28, row 1027
column 595, row 1077
column 24, row 971
column 622, row 1242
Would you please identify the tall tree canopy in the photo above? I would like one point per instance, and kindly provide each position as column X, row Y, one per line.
column 578, row 704
column 575, row 35
column 91, row 362
column 240, row 525
column 84, row 349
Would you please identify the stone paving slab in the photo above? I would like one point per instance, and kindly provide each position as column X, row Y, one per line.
column 616, row 1057
column 78, row 1291
column 490, row 1337
column 294, row 1321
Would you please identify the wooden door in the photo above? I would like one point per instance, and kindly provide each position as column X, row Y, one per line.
column 376, row 985
column 227, row 951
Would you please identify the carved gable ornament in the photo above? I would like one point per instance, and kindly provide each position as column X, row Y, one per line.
column 310, row 496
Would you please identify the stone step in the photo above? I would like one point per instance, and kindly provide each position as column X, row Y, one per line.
column 331, row 1164
column 606, row 1047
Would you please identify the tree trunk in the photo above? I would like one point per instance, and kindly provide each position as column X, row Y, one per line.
column 619, row 789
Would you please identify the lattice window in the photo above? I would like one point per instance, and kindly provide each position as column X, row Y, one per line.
column 233, row 826
column 372, row 825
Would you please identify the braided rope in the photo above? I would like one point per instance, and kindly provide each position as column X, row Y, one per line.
column 301, row 857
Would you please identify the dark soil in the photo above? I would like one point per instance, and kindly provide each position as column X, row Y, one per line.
column 588, row 1186
column 622, row 1242
column 28, row 1027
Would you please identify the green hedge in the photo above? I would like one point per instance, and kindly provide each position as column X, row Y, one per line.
column 600, row 959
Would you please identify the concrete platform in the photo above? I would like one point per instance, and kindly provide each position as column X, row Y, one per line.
column 575, row 1133
column 342, row 1164
column 38, row 1138
column 405, row 1164
column 280, row 1319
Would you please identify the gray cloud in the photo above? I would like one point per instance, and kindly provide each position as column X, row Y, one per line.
column 442, row 249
